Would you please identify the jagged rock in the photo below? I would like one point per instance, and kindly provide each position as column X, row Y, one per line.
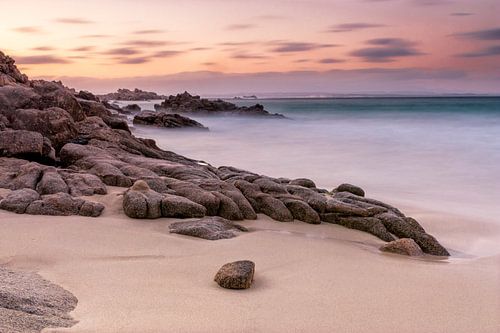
column 302, row 211
column 63, row 204
column 83, row 184
column 9, row 74
column 211, row 228
column 180, row 207
column 302, row 182
column 54, row 123
column 141, row 202
column 406, row 246
column 351, row 189
column 28, row 303
column 87, row 95
column 167, row 120
column 131, row 95
column 17, row 201
column 236, row 275
column 51, row 183
column 186, row 102
column 55, row 94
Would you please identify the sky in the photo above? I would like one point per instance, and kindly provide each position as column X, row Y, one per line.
column 261, row 46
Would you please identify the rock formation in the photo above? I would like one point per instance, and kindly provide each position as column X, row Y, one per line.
column 187, row 103
column 236, row 275
column 405, row 246
column 211, row 228
column 131, row 95
column 60, row 146
column 167, row 120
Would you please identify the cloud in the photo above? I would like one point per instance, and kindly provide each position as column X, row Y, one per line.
column 487, row 52
column 290, row 47
column 28, row 30
column 200, row 49
column 346, row 27
column 72, row 20
column 166, row 54
column 41, row 60
column 461, row 14
column 43, row 48
column 487, row 34
column 240, row 26
column 83, row 49
column 96, row 36
column 330, row 61
column 432, row 2
column 246, row 55
column 134, row 61
column 146, row 43
column 121, row 51
column 148, row 32
column 386, row 50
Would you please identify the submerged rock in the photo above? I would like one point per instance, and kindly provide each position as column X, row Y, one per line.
column 406, row 246
column 211, row 228
column 236, row 275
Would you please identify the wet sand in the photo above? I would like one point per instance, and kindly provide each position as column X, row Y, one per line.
column 133, row 276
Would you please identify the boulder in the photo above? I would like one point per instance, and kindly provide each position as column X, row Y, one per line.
column 317, row 201
column 351, row 189
column 236, row 275
column 27, row 176
column 302, row 211
column 211, row 228
column 166, row 120
column 371, row 225
column 63, row 204
column 228, row 209
column 303, row 182
column 51, row 183
column 141, row 202
column 180, row 207
column 23, row 144
column 83, row 184
column 406, row 246
column 198, row 195
column 17, row 201
column 131, row 95
column 132, row 108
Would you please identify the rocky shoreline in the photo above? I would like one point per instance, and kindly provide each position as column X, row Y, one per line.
column 131, row 95
column 58, row 145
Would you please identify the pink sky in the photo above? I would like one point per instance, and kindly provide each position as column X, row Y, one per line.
column 258, row 46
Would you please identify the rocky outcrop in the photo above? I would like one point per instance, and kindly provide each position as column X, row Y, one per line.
column 93, row 148
column 405, row 246
column 187, row 103
column 131, row 95
column 29, row 303
column 131, row 108
column 211, row 228
column 166, row 120
column 236, row 275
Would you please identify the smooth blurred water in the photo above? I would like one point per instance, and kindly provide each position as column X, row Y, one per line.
column 441, row 154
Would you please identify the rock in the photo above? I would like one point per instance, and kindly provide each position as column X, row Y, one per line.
column 63, row 204
column 54, row 123
column 110, row 175
column 302, row 211
column 180, row 207
column 317, row 201
column 87, row 95
column 211, row 228
column 166, row 120
column 55, row 95
column 51, row 183
column 17, row 201
column 22, row 144
column 351, row 189
column 337, row 206
column 27, row 176
column 131, row 95
column 371, row 225
column 9, row 74
column 236, row 275
column 198, row 195
column 29, row 303
column 141, row 202
column 186, row 103
column 303, row 182
column 84, row 184
column 228, row 209
column 132, row 108
column 406, row 246
column 269, row 186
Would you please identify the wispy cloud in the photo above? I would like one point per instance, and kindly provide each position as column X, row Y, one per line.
column 41, row 60
column 148, row 32
column 487, row 52
column 461, row 14
column 330, row 61
column 121, row 51
column 83, row 49
column 43, row 48
column 386, row 50
column 291, row 47
column 134, row 61
column 28, row 30
column 146, row 43
column 347, row 27
column 166, row 54
column 240, row 26
column 72, row 20
column 487, row 34
column 246, row 55
column 96, row 36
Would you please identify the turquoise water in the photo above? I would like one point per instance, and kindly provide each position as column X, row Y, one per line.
column 438, row 154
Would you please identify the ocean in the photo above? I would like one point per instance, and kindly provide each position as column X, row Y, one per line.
column 437, row 154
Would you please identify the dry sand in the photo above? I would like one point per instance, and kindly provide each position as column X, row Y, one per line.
column 133, row 276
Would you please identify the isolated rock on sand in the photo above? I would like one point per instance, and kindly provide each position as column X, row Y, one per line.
column 351, row 189
column 17, row 201
column 166, row 120
column 211, row 228
column 406, row 246
column 236, row 275
column 28, row 303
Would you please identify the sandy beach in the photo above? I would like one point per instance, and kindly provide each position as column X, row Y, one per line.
column 133, row 276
